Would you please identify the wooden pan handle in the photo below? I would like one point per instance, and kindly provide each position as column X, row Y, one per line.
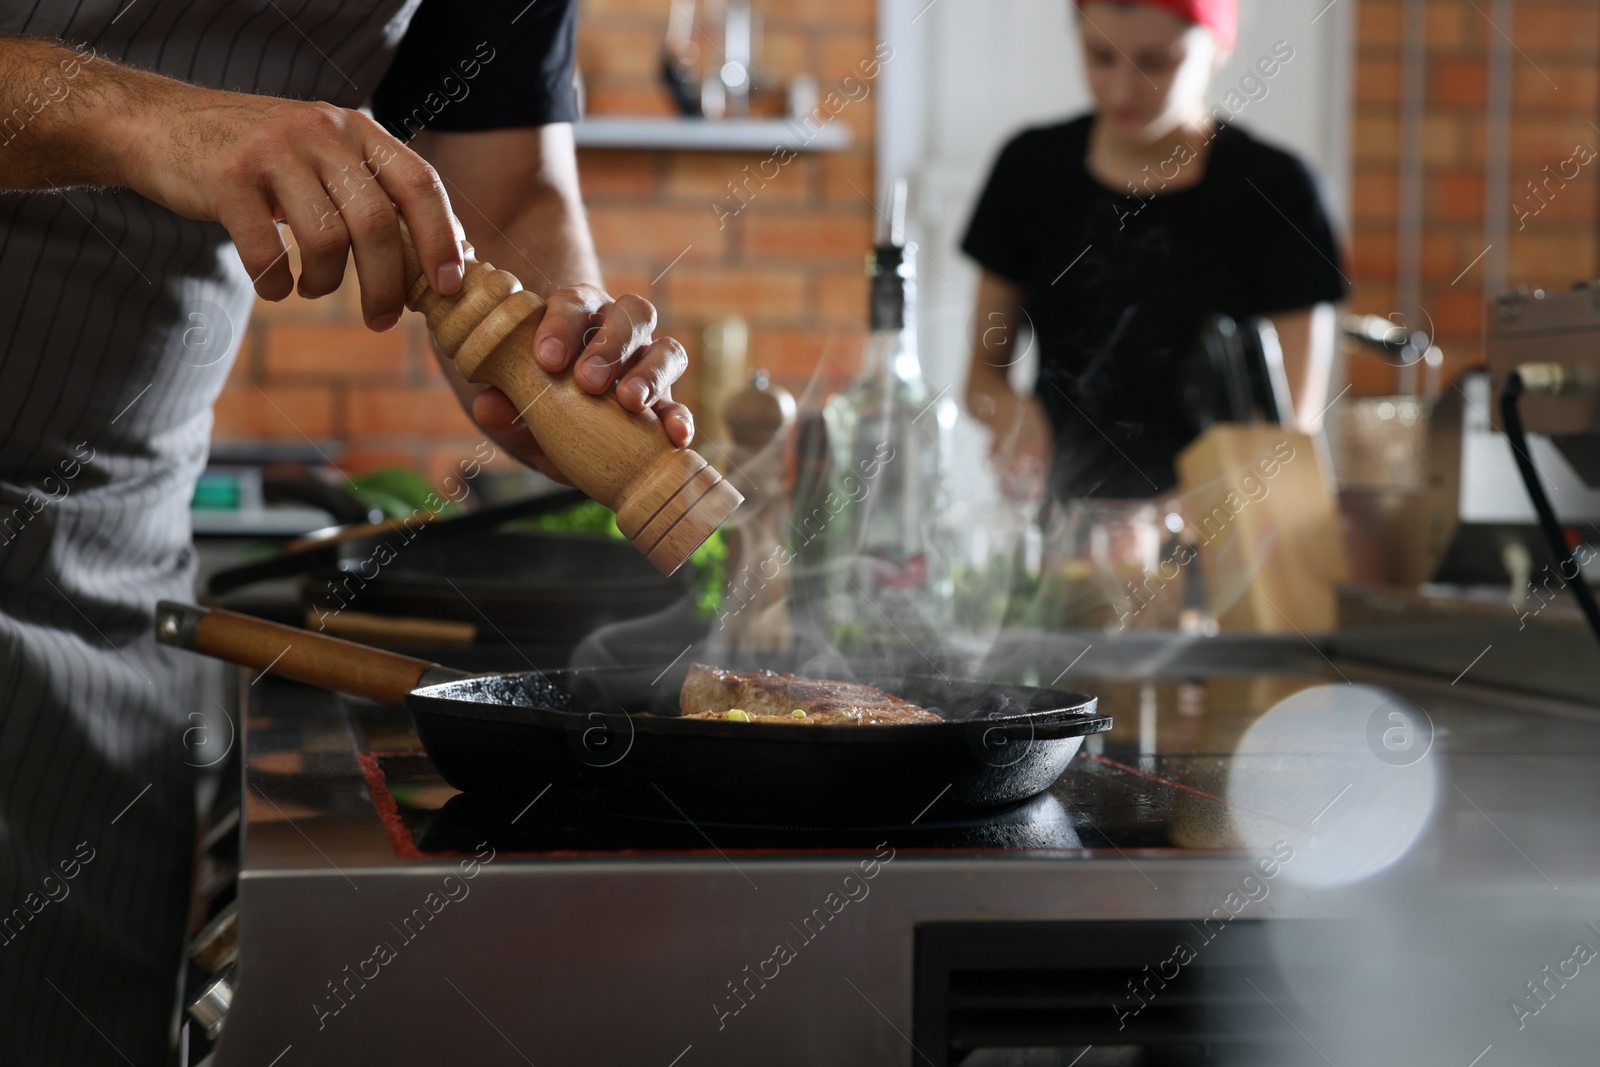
column 668, row 500
column 329, row 662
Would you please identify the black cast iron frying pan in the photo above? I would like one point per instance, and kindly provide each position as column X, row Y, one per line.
column 610, row 737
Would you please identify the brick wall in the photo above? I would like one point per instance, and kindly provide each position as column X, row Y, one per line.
column 790, row 261
column 1555, row 79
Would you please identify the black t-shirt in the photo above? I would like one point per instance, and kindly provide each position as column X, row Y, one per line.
column 481, row 65
column 1118, row 283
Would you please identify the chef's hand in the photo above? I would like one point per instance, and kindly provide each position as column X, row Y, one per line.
column 242, row 160
column 1022, row 448
column 607, row 341
column 334, row 175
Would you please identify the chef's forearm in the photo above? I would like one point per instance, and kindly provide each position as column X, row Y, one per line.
column 989, row 396
column 516, row 193
column 996, row 321
column 546, row 243
column 65, row 114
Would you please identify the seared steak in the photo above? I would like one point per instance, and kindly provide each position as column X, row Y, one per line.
column 766, row 696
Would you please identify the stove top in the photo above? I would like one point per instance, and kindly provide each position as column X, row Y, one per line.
column 1157, row 780
column 1435, row 840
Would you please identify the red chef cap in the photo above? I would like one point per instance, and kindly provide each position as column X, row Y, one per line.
column 1221, row 17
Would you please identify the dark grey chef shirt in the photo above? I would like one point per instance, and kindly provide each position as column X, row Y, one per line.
column 118, row 323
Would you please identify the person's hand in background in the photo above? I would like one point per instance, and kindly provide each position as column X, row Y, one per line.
column 1021, row 449
column 1023, row 440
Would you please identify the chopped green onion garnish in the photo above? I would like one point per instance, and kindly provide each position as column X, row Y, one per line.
column 797, row 714
column 736, row 715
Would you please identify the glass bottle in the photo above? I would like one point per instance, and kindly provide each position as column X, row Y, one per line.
column 888, row 582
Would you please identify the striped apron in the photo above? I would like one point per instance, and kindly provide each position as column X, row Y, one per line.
column 118, row 323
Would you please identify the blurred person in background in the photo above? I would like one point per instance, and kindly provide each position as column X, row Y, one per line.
column 1115, row 235
column 151, row 151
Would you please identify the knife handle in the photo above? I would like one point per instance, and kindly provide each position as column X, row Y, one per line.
column 305, row 656
column 668, row 500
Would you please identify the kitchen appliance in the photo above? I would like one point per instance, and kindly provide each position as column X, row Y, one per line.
column 1548, row 326
column 668, row 500
column 1472, row 522
column 1009, row 938
column 1577, row 382
column 611, row 739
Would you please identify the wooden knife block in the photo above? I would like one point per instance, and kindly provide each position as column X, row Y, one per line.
column 1266, row 521
column 667, row 500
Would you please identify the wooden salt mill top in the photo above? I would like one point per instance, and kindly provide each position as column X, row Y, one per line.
column 667, row 500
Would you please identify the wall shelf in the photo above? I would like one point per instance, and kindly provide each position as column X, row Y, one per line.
column 727, row 135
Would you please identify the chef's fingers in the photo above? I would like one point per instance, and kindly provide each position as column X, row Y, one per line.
column 662, row 363
column 650, row 373
column 678, row 420
column 414, row 186
column 374, row 227
column 247, row 216
column 571, row 313
column 648, row 382
column 522, row 444
column 319, row 232
column 625, row 328
column 494, row 411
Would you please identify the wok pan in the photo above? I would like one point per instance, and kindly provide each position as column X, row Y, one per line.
column 610, row 738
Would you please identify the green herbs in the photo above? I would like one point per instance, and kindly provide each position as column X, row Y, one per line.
column 706, row 565
column 399, row 493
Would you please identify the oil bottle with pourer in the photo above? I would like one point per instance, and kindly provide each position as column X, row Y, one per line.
column 888, row 582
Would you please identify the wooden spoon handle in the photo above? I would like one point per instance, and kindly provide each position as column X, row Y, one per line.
column 668, row 500
column 329, row 662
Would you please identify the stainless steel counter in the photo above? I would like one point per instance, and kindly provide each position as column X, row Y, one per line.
column 1428, row 879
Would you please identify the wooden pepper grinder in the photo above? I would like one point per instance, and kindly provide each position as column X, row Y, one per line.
column 667, row 500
